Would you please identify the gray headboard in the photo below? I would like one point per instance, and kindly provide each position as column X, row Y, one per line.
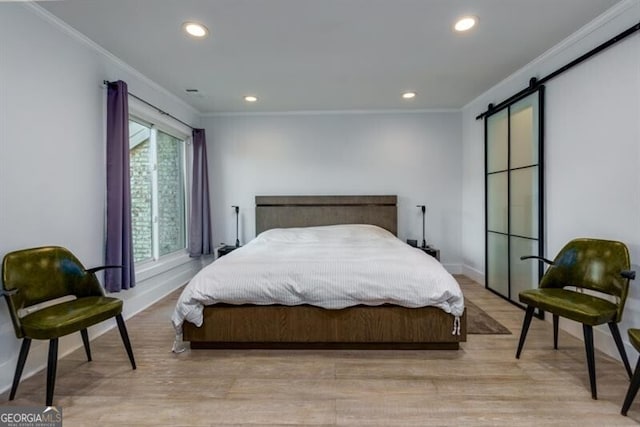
column 307, row 211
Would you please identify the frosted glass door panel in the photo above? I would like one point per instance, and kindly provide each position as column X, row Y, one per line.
column 497, row 202
column 524, row 202
column 497, row 142
column 498, row 268
column 524, row 132
column 513, row 195
column 524, row 273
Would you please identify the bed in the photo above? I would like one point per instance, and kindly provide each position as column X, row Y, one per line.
column 252, row 312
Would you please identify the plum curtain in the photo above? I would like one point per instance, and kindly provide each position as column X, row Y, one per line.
column 200, row 220
column 119, row 243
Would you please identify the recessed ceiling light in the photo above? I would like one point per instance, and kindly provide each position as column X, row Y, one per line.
column 194, row 29
column 409, row 95
column 251, row 98
column 465, row 23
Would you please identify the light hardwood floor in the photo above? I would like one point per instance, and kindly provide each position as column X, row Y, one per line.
column 481, row 384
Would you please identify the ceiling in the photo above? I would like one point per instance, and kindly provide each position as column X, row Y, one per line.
column 298, row 55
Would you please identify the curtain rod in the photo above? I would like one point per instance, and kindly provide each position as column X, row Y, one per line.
column 533, row 83
column 160, row 110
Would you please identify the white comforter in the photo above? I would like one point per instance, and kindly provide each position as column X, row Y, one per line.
column 331, row 267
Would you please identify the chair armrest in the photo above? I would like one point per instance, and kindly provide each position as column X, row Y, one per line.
column 539, row 258
column 102, row 267
column 628, row 274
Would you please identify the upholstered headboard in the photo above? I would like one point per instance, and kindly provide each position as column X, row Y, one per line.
column 308, row 211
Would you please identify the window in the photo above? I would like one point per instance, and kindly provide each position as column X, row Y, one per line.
column 158, row 202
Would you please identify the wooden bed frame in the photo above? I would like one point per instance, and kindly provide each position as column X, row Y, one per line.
column 305, row 326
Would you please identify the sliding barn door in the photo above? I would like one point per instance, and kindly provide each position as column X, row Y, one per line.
column 513, row 192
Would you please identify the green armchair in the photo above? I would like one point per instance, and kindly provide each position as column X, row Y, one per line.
column 33, row 277
column 583, row 264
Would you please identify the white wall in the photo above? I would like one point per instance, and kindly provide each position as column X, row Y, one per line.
column 413, row 155
column 592, row 150
column 52, row 161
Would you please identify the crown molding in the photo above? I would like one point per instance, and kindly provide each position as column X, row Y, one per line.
column 77, row 35
column 599, row 22
column 330, row 112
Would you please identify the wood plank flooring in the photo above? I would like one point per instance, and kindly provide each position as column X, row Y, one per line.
column 480, row 385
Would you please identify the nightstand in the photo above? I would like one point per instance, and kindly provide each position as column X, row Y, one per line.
column 431, row 251
column 224, row 250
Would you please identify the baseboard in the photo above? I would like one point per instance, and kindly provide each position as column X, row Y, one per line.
column 472, row 273
column 453, row 268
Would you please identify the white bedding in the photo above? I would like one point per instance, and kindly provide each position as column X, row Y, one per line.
column 332, row 267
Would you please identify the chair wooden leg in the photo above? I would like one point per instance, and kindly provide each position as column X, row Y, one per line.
column 591, row 361
column 51, row 370
column 85, row 341
column 632, row 391
column 525, row 327
column 613, row 326
column 24, row 351
column 556, row 321
column 125, row 339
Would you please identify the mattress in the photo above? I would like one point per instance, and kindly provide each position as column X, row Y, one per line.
column 331, row 267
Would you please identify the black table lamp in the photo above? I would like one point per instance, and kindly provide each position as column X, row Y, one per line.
column 424, row 210
column 237, row 209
